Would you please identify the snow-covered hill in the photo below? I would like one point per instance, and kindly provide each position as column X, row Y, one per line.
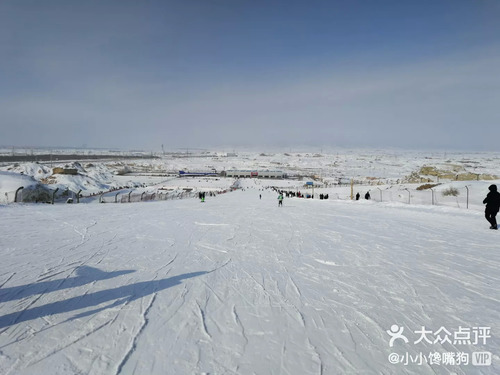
column 237, row 285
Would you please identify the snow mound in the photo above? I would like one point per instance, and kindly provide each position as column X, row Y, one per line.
column 37, row 171
column 33, row 191
column 11, row 181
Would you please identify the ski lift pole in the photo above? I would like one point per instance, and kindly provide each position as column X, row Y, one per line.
column 432, row 201
column 467, row 196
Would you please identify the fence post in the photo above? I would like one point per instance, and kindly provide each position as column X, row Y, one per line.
column 409, row 195
column 54, row 194
column 142, row 195
column 432, row 190
column 467, row 196
column 15, row 197
column 78, row 196
column 379, row 189
column 129, row 196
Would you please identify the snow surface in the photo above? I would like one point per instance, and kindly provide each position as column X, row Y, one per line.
column 237, row 285
column 10, row 181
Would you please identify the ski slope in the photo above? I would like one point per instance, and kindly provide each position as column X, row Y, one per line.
column 237, row 285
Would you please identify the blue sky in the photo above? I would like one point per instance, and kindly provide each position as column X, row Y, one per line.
column 233, row 73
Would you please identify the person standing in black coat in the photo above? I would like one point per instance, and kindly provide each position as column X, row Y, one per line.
column 492, row 202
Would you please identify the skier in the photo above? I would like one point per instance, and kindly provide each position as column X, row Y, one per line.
column 357, row 196
column 492, row 202
column 367, row 195
column 280, row 200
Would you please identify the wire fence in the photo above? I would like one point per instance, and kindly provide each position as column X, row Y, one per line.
column 33, row 194
column 467, row 197
column 68, row 196
column 460, row 197
column 134, row 197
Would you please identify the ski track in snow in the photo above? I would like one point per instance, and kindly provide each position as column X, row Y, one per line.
column 133, row 347
column 240, row 288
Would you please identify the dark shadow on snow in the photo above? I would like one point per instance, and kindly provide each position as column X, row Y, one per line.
column 84, row 275
column 122, row 294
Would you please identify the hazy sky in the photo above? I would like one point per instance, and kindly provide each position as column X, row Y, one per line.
column 205, row 73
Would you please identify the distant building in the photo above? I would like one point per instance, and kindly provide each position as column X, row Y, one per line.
column 227, row 154
column 70, row 171
column 255, row 174
column 197, row 174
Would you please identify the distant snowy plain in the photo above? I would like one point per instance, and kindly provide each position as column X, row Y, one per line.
column 237, row 285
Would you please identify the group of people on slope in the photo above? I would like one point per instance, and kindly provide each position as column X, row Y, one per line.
column 492, row 202
column 367, row 196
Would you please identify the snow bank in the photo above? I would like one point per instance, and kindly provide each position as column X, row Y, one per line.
column 11, row 181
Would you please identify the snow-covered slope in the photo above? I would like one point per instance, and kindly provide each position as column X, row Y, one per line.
column 30, row 189
column 92, row 178
column 10, row 181
column 237, row 285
